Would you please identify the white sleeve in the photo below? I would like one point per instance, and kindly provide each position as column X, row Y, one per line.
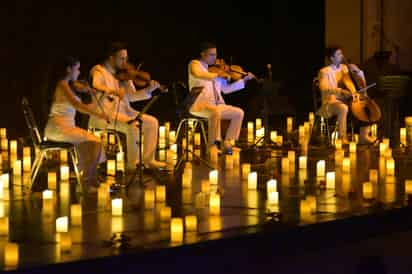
column 229, row 88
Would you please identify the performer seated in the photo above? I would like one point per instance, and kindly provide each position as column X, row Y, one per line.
column 210, row 104
column 119, row 109
column 337, row 88
column 61, row 123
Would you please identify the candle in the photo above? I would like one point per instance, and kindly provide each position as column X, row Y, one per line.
column 252, row 181
column 103, row 196
column 63, row 156
column 408, row 186
column 386, row 141
column 187, row 178
column 62, row 224
column 111, row 167
column 161, row 194
column 76, row 214
column 173, row 148
column 330, row 180
column 4, row 144
column 236, row 157
column 191, row 223
column 291, row 157
column 279, row 140
column 4, row 226
column 117, row 207
column 65, row 242
column 11, row 255
column 382, row 165
column 149, row 198
column 17, row 168
column 388, row 153
column 117, row 224
column 112, row 139
column 47, row 195
column 320, row 168
column 13, row 147
column 367, row 190
column 352, row 147
column 213, row 156
column 245, row 171
column 213, row 177
column 3, row 133
column 165, row 213
column 373, row 176
column 339, row 155
column 390, row 167
column 389, row 193
column 338, row 144
column 250, row 132
column 346, row 165
column 301, row 131
column 176, row 230
column 403, row 136
column 289, row 124
column 273, row 197
column 172, row 136
column 258, row 123
column 311, row 118
column 120, row 161
column 197, row 139
column 229, row 161
column 382, row 148
column 205, row 186
column 214, row 204
column 64, row 173
column 271, row 185
column 5, row 179
column 26, row 163
column 285, row 165
column 303, row 162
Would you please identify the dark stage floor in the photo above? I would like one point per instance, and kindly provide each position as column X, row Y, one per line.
column 342, row 198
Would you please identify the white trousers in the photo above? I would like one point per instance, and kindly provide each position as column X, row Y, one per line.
column 215, row 114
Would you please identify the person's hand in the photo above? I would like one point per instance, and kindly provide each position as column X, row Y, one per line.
column 153, row 85
column 345, row 93
column 249, row 76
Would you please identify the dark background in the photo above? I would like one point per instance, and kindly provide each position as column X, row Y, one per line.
column 165, row 36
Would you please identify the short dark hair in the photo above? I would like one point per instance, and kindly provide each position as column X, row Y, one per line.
column 331, row 50
column 61, row 66
column 206, row 45
column 114, row 47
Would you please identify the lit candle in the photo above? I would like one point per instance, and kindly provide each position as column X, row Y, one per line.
column 330, row 180
column 352, row 147
column 161, row 193
column 111, row 167
column 3, row 133
column 311, row 118
column 229, row 161
column 339, row 155
column 403, row 136
column 320, row 168
column 117, row 207
column 273, row 135
column 390, row 167
column 4, row 144
column 120, row 161
column 191, row 223
column 4, row 226
column 205, row 186
column 258, row 123
column 11, row 255
column 26, row 163
column 13, row 147
column 271, row 185
column 214, row 204
column 382, row 149
column 338, row 144
column 250, row 132
column 289, row 124
column 112, row 139
column 291, row 157
column 245, row 171
column 64, row 173
column 367, row 190
column 65, row 242
column 76, row 214
column 236, row 157
column 117, row 224
column 103, row 196
column 388, row 153
column 346, row 165
column 187, row 178
column 273, row 197
column 197, row 139
column 63, row 156
column 303, row 162
column 173, row 148
column 252, row 181
column 285, row 165
column 165, row 213
column 17, row 168
column 62, row 224
column 149, row 198
column 408, row 186
column 279, row 140
column 5, row 178
column 176, row 230
column 172, row 136
column 373, row 176
column 213, row 177
column 213, row 156
column 47, row 195
column 386, row 141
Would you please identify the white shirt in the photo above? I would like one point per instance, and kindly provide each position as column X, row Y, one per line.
column 103, row 79
column 213, row 86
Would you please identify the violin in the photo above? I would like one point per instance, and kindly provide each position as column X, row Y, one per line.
column 141, row 79
column 232, row 72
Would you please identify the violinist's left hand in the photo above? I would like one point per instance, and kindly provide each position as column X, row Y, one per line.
column 249, row 76
column 153, row 85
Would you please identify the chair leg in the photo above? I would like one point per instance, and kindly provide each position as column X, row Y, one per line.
column 37, row 168
column 181, row 123
column 202, row 127
column 76, row 170
column 119, row 142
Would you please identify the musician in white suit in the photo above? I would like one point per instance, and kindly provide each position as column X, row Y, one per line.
column 336, row 89
column 210, row 104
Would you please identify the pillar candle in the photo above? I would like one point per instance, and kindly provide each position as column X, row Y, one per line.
column 165, row 213
column 4, row 226
column 117, row 207
column 367, row 190
column 191, row 223
column 320, row 168
column 13, row 147
column 176, row 230
column 403, row 136
column 161, row 193
column 346, row 165
column 64, row 173
column 62, row 224
column 214, row 204
column 289, row 124
column 76, row 214
column 149, row 198
column 52, row 180
column 245, row 171
column 285, row 165
column 408, row 186
column 3, row 133
column 330, row 180
column 291, row 157
column 11, row 255
column 26, row 163
column 252, row 181
column 250, row 132
column 4, row 144
column 213, row 177
column 6, row 180
column 273, row 197
column 303, row 162
column 17, row 168
column 390, row 167
column 197, row 139
column 271, row 185
column 111, row 167
column 382, row 148
column 373, row 176
column 352, row 147
column 258, row 123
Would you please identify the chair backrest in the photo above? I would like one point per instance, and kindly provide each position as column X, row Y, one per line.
column 183, row 107
column 394, row 85
column 31, row 122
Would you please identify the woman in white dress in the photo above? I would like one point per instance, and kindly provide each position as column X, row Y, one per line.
column 61, row 123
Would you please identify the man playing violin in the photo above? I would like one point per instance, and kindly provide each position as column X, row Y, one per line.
column 116, row 102
column 210, row 104
column 337, row 88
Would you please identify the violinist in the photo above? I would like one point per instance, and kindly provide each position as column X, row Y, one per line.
column 337, row 88
column 61, row 127
column 116, row 101
column 210, row 104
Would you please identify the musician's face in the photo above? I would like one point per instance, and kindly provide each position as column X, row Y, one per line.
column 74, row 71
column 209, row 56
column 337, row 58
column 120, row 59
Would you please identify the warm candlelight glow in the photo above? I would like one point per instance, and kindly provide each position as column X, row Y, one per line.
column 205, row 186
column 62, row 224
column 236, row 157
column 271, row 186
column 214, row 204
column 111, row 167
column 285, row 165
column 4, row 226
column 403, row 136
column 250, row 132
column 320, row 168
column 176, row 230
column 161, row 193
column 3, row 133
column 258, row 123
column 408, row 186
column 120, row 161
column 64, row 173
column 390, row 167
column 117, row 207
column 338, row 144
column 382, row 148
column 191, row 223
column 346, row 165
column 273, row 197
column 76, row 214
column 17, row 168
column 47, row 195
column 11, row 255
column 352, row 147
column 13, row 147
column 4, row 144
column 149, row 198
column 65, row 242
column 291, row 157
column 5, row 179
column 330, row 180
column 367, row 190
column 311, row 118
column 26, row 163
column 165, row 213
column 303, row 162
column 373, row 175
column 213, row 177
column 103, row 196
column 273, row 136
column 229, row 161
column 245, row 170
column 172, row 136
column 279, row 140
column 252, row 181
column 289, row 124
column 63, row 156
column 187, row 178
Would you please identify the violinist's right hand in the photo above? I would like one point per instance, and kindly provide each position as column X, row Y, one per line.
column 345, row 93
